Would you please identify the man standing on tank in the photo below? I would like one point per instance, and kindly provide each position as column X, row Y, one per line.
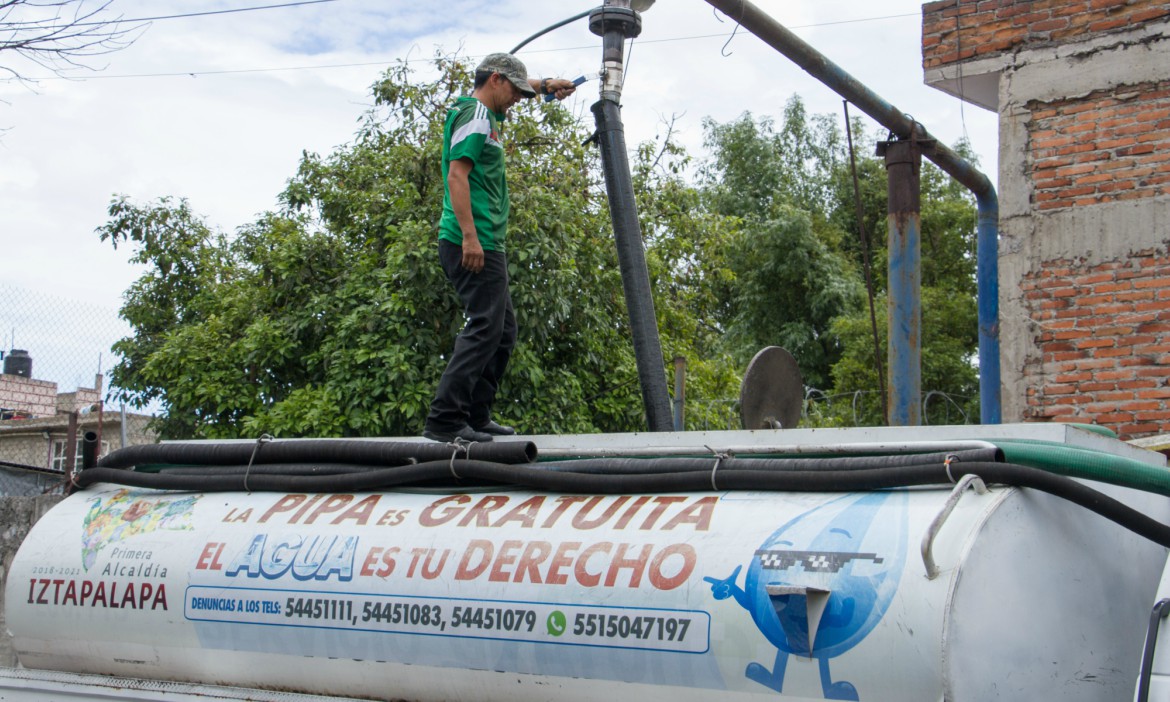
column 472, row 232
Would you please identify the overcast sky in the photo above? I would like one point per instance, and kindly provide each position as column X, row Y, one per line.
column 218, row 109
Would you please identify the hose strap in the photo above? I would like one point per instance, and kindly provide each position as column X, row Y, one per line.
column 951, row 458
column 264, row 438
column 719, row 456
column 459, row 445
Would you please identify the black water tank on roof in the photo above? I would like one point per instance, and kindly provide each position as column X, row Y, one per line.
column 18, row 362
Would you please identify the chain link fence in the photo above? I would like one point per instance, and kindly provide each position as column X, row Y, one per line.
column 55, row 402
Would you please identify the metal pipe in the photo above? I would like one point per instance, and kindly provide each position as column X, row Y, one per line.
column 817, row 65
column 89, row 449
column 632, row 261
column 546, row 30
column 904, row 320
column 71, row 445
column 987, row 278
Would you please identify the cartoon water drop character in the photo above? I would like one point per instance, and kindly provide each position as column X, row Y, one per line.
column 820, row 583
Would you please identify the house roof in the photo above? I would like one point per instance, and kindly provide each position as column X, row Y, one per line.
column 60, row 422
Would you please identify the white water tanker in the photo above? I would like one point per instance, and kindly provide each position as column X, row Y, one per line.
column 453, row 592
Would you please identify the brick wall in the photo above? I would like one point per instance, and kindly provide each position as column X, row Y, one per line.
column 956, row 30
column 1108, row 146
column 38, row 397
column 71, row 401
column 1104, row 343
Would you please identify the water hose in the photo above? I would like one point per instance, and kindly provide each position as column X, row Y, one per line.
column 539, row 478
column 1086, row 463
column 617, row 466
column 359, row 451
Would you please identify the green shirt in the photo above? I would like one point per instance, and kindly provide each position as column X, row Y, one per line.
column 472, row 131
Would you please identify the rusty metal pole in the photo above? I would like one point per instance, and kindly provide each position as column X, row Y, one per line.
column 904, row 170
column 71, row 445
column 680, row 393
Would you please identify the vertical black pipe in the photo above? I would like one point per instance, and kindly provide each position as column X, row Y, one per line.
column 632, row 261
column 89, row 449
column 904, row 170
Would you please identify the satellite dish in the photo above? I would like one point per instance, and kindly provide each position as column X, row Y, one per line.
column 772, row 391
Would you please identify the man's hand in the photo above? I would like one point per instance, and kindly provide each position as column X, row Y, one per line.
column 460, row 191
column 472, row 254
column 561, row 88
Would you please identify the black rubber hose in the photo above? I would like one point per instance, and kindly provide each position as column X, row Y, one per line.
column 368, row 479
column 639, row 295
column 89, row 449
column 364, row 452
column 721, row 480
column 548, row 29
column 617, row 466
column 290, row 469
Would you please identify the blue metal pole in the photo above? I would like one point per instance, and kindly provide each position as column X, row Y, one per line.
column 903, row 166
column 987, row 275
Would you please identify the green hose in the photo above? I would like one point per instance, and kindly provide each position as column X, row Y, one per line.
column 1096, row 429
column 1091, row 464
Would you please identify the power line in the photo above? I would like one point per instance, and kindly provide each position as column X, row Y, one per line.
column 204, row 14
column 195, row 74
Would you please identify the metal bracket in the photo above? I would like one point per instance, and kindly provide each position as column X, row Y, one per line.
column 969, row 480
column 1161, row 609
column 610, row 18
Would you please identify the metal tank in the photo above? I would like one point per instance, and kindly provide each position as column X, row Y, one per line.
column 18, row 362
column 511, row 594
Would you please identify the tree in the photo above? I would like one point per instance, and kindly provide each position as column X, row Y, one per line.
column 794, row 269
column 949, row 336
column 330, row 316
column 688, row 253
column 59, row 35
column 788, row 279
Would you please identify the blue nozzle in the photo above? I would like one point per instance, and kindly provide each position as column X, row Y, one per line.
column 576, row 81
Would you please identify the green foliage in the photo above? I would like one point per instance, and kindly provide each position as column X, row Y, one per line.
column 330, row 316
column 796, row 264
column 688, row 253
column 788, row 277
column 790, row 286
column 949, row 314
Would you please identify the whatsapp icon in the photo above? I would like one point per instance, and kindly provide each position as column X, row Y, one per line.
column 556, row 622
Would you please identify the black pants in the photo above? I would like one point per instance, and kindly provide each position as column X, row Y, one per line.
column 468, row 386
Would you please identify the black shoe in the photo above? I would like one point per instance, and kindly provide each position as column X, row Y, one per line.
column 465, row 433
column 497, row 429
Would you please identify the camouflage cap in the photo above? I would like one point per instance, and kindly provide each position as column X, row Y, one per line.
column 511, row 68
